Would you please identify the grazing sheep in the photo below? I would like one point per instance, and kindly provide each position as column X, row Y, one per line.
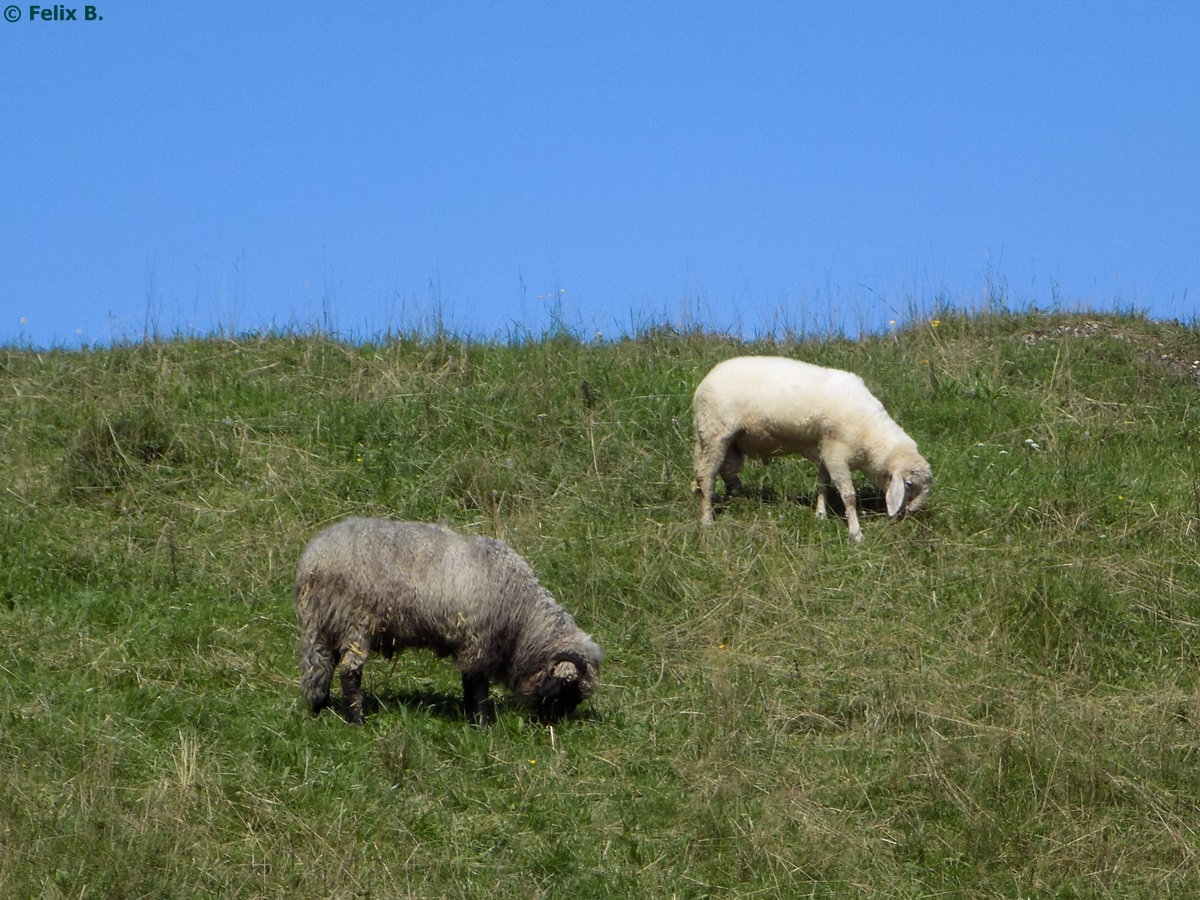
column 767, row 406
column 366, row 585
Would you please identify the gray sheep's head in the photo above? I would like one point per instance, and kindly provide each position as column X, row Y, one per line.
column 567, row 680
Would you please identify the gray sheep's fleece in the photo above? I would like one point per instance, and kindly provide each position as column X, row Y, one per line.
column 374, row 585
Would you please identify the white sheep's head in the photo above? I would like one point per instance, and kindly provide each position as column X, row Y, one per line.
column 908, row 489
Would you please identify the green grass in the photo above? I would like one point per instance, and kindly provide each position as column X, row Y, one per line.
column 997, row 697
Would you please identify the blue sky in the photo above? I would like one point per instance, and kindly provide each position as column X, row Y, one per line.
column 191, row 167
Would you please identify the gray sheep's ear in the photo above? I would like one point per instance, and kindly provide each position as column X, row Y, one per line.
column 561, row 690
column 895, row 495
column 567, row 666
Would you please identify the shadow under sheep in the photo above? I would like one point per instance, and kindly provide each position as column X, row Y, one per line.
column 871, row 500
column 449, row 706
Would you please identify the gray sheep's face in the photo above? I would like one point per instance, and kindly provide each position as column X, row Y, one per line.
column 561, row 703
column 566, row 682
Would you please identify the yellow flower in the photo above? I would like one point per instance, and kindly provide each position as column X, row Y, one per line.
column 935, row 323
column 533, row 762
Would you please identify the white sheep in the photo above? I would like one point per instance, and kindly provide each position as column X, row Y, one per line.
column 366, row 585
column 768, row 406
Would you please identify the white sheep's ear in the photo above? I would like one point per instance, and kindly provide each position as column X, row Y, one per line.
column 895, row 495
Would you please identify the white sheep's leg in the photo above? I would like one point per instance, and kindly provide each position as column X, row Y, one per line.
column 730, row 466
column 851, row 501
column 840, row 475
column 475, row 691
column 822, row 490
column 702, row 484
column 709, row 458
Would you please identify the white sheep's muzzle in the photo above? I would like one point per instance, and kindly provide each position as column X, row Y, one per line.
column 916, row 495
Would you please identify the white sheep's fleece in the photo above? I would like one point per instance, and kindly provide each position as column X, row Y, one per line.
column 766, row 406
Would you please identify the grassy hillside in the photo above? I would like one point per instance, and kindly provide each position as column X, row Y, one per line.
column 996, row 697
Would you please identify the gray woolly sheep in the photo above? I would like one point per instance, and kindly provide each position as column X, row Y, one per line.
column 372, row 585
column 768, row 406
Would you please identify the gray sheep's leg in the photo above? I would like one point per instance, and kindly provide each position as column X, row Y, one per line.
column 475, row 691
column 317, row 662
column 354, row 657
column 352, row 696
